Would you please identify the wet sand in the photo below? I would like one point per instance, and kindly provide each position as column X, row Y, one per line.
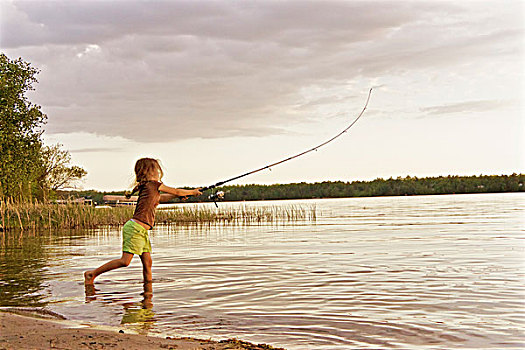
column 27, row 332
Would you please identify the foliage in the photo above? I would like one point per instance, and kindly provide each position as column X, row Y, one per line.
column 380, row 187
column 57, row 173
column 27, row 168
column 20, row 133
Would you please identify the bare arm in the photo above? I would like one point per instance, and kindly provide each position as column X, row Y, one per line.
column 166, row 197
column 178, row 192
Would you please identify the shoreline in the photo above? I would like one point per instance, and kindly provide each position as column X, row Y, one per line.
column 25, row 329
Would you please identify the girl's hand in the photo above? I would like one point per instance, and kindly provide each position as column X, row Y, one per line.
column 194, row 192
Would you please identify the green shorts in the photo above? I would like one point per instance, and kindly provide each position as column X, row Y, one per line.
column 135, row 238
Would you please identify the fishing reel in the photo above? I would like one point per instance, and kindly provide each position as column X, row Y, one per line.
column 219, row 195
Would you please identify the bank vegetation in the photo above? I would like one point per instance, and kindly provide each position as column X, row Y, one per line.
column 36, row 216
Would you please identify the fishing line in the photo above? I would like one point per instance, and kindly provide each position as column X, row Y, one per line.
column 220, row 194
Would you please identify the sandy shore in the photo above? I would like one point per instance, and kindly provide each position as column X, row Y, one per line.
column 27, row 332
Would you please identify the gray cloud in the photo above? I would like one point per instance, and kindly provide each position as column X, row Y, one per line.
column 157, row 71
column 77, row 22
column 464, row 107
column 96, row 150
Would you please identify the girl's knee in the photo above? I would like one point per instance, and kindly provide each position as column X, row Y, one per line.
column 125, row 261
column 146, row 259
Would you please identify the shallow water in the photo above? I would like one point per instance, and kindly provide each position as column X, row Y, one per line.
column 427, row 272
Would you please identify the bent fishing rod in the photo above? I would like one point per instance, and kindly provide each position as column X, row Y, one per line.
column 220, row 195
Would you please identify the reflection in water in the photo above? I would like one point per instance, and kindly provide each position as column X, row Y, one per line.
column 22, row 260
column 91, row 292
column 139, row 315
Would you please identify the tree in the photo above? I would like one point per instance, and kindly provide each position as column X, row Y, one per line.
column 20, row 129
column 57, row 173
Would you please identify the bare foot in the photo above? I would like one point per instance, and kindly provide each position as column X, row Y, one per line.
column 89, row 278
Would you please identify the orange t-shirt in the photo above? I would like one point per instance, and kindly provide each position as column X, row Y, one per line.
column 149, row 198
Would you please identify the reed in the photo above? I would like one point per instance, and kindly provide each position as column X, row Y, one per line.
column 237, row 214
column 34, row 215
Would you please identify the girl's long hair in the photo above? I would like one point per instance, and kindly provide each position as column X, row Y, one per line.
column 144, row 167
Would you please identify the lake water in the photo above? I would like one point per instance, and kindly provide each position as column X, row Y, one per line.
column 427, row 272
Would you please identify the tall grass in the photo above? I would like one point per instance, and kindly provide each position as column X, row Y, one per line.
column 36, row 215
column 237, row 214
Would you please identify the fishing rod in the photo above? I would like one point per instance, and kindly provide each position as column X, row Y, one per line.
column 220, row 194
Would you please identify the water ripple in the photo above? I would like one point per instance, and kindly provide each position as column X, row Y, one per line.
column 426, row 272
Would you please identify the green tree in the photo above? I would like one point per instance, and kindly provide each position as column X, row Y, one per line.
column 20, row 129
column 57, row 172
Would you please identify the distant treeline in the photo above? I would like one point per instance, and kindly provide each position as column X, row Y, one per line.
column 407, row 186
column 390, row 187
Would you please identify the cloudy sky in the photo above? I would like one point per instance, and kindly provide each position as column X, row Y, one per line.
column 218, row 88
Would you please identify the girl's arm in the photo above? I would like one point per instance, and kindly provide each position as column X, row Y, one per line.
column 166, row 197
column 179, row 192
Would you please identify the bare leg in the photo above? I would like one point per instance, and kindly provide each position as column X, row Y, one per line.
column 125, row 259
column 146, row 267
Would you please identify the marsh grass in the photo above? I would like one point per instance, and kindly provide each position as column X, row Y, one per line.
column 34, row 215
column 237, row 214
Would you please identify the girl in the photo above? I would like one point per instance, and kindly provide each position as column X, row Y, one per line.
column 135, row 239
